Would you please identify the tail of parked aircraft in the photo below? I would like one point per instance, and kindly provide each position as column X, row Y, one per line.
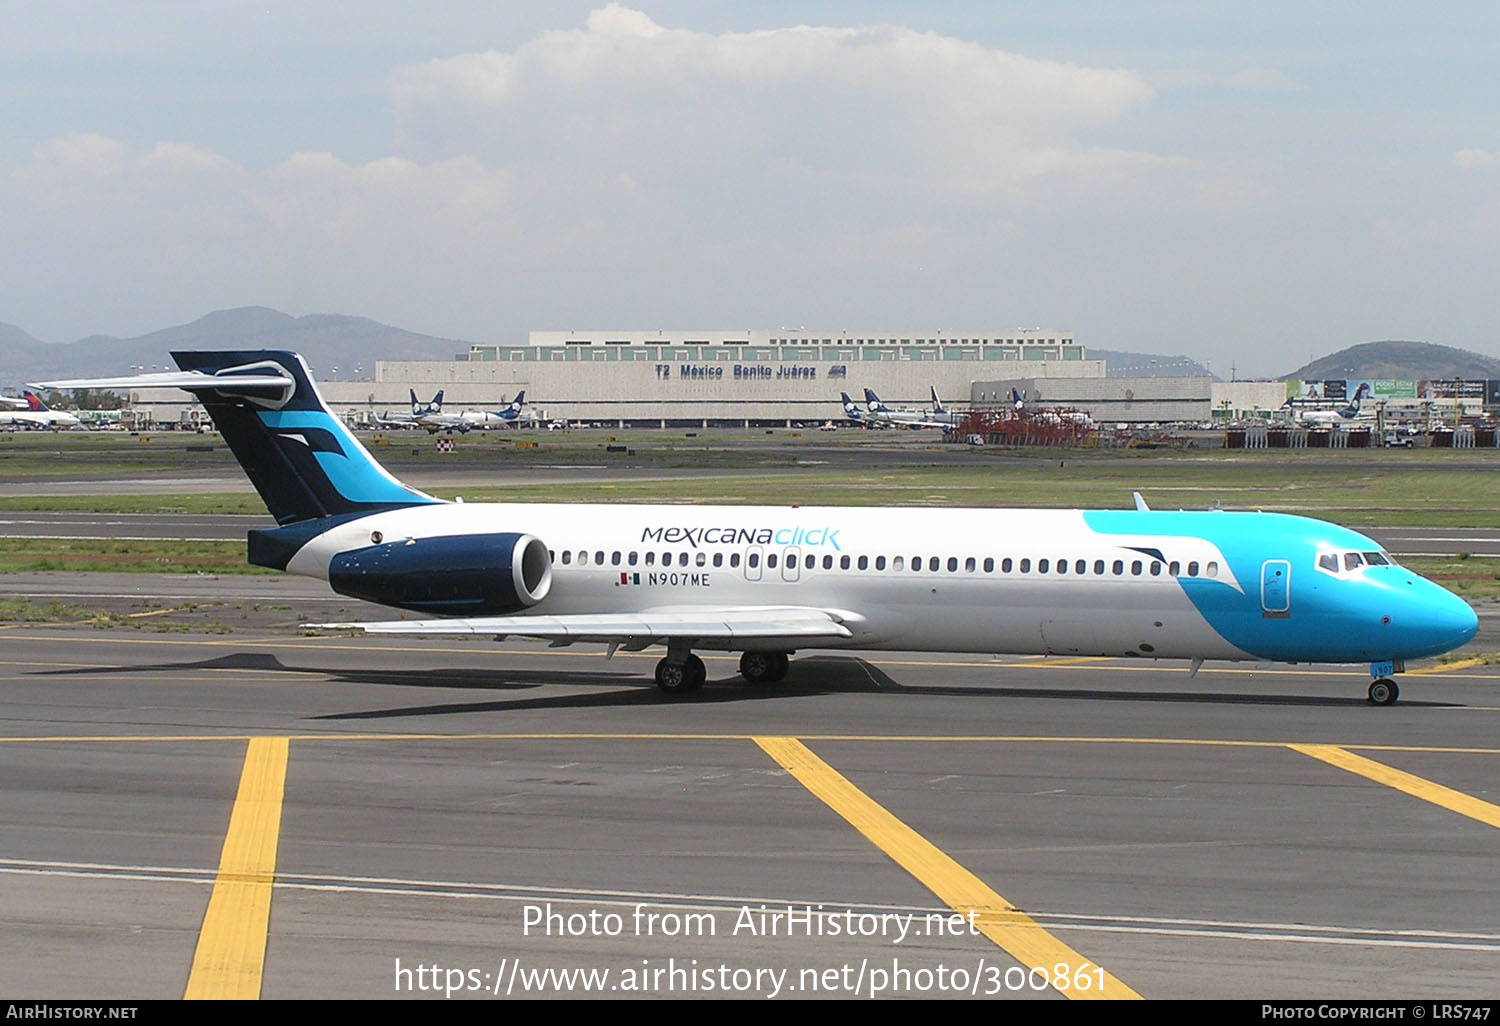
column 513, row 411
column 937, row 404
column 872, row 401
column 1361, row 393
column 300, row 457
column 34, row 402
column 851, row 408
column 1016, row 401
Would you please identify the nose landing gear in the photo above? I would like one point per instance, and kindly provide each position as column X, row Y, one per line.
column 1383, row 690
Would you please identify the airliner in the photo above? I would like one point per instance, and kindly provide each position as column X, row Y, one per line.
column 854, row 413
column 768, row 581
column 36, row 414
column 471, row 420
column 1327, row 418
column 880, row 413
column 418, row 411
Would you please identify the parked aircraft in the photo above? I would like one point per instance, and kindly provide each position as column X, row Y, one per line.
column 1328, row 418
column 854, row 413
column 418, row 411
column 766, row 581
column 880, row 413
column 1075, row 417
column 31, row 412
column 474, row 420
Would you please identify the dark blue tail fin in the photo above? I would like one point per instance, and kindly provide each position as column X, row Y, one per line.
column 300, row 457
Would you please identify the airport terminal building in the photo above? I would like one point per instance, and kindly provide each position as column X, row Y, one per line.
column 704, row 378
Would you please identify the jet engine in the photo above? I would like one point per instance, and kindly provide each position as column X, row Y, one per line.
column 451, row 575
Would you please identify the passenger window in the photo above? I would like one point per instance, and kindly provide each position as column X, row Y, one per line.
column 1042, row 566
column 567, row 557
column 650, row 559
column 599, row 558
column 916, row 564
column 771, row 561
column 1025, row 566
column 969, row 566
column 1005, row 565
column 933, row 564
column 880, row 563
column 1062, row 566
column 864, row 562
column 1099, row 567
column 1193, row 568
column 1212, row 569
column 1119, row 567
column 989, row 564
column 583, row 558
column 630, row 558
column 1174, row 568
column 1155, row 568
column 718, row 559
column 828, row 562
column 754, row 560
column 1081, row 566
column 791, row 562
column 682, row 559
column 953, row 564
column 701, row 559
column 734, row 559
column 898, row 563
column 1135, row 568
column 614, row 559
column 1329, row 561
column 843, row 562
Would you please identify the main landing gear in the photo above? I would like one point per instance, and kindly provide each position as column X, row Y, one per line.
column 1383, row 690
column 681, row 673
column 763, row 667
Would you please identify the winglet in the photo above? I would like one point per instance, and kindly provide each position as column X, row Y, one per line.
column 1140, row 503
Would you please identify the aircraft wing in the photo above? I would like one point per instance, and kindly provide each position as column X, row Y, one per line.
column 713, row 627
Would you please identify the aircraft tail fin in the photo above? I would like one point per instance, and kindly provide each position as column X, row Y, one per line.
column 301, row 458
column 34, row 402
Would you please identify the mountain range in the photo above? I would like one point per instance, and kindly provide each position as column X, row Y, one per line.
column 326, row 341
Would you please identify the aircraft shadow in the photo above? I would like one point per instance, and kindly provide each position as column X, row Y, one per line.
column 810, row 676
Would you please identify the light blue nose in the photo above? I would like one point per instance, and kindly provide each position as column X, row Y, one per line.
column 1432, row 620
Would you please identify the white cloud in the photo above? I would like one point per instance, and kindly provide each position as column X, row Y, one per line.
column 885, row 108
column 1473, row 158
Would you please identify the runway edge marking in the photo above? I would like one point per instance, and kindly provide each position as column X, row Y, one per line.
column 1417, row 787
column 1012, row 930
column 231, row 953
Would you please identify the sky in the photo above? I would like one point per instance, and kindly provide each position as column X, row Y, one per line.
column 1249, row 184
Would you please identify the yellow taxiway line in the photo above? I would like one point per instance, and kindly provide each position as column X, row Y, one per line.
column 1012, row 930
column 231, row 949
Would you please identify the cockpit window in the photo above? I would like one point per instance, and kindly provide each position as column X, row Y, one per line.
column 1376, row 559
column 1352, row 561
column 1329, row 561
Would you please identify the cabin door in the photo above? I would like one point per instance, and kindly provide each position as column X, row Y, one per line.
column 1276, row 588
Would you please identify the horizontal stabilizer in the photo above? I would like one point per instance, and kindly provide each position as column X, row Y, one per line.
column 264, row 381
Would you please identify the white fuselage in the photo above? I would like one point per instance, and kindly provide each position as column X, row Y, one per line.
column 976, row 597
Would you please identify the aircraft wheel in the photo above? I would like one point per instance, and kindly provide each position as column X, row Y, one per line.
column 680, row 678
column 779, row 665
column 758, row 667
column 1384, row 692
